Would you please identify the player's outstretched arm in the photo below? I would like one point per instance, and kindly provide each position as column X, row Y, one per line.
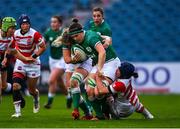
column 100, row 89
column 19, row 56
column 101, row 57
column 106, row 40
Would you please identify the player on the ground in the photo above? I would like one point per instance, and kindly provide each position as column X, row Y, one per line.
column 56, row 61
column 126, row 102
column 7, row 47
column 105, row 62
column 30, row 43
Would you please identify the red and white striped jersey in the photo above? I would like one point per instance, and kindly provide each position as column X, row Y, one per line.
column 5, row 43
column 126, row 91
column 28, row 43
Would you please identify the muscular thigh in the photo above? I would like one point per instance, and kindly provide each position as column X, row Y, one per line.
column 32, row 83
column 90, row 84
column 55, row 74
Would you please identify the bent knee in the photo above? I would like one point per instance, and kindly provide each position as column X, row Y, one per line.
column 74, row 83
column 90, row 92
column 52, row 82
column 16, row 86
column 76, row 80
column 4, row 85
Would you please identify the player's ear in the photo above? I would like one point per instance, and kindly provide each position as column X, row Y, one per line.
column 118, row 73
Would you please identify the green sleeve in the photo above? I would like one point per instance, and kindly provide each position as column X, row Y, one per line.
column 108, row 32
column 66, row 46
column 94, row 41
column 46, row 37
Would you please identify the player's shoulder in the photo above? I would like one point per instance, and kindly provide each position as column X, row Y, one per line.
column 17, row 31
column 126, row 82
column 92, row 34
column 106, row 25
column 91, row 22
column 34, row 32
column 48, row 30
column 31, row 30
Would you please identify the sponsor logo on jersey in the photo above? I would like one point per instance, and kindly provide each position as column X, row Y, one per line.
column 33, row 74
column 88, row 49
column 98, row 33
column 19, row 68
column 51, row 38
column 28, row 41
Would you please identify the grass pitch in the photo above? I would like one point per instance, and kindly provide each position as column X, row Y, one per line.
column 165, row 108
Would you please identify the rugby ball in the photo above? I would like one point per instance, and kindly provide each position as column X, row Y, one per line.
column 77, row 49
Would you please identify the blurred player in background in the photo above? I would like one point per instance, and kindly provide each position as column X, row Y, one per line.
column 125, row 100
column 7, row 47
column 99, row 25
column 30, row 43
column 56, row 61
column 5, row 86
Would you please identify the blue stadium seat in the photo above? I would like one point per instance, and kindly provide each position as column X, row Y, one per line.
column 39, row 11
column 146, row 30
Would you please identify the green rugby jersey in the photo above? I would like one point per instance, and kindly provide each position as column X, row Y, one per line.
column 91, row 39
column 50, row 36
column 103, row 28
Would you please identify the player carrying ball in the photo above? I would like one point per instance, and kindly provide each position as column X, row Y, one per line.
column 105, row 61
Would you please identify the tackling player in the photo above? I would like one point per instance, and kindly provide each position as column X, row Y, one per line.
column 30, row 43
column 127, row 100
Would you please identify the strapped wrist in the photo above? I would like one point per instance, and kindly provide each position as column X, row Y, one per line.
column 34, row 56
column 8, row 56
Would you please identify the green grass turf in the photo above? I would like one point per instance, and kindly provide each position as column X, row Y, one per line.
column 166, row 109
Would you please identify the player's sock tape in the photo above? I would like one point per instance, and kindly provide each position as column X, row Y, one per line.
column 91, row 82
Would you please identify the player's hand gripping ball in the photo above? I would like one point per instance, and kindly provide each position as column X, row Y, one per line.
column 78, row 51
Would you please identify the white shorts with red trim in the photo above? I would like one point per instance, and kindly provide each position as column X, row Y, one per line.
column 32, row 70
